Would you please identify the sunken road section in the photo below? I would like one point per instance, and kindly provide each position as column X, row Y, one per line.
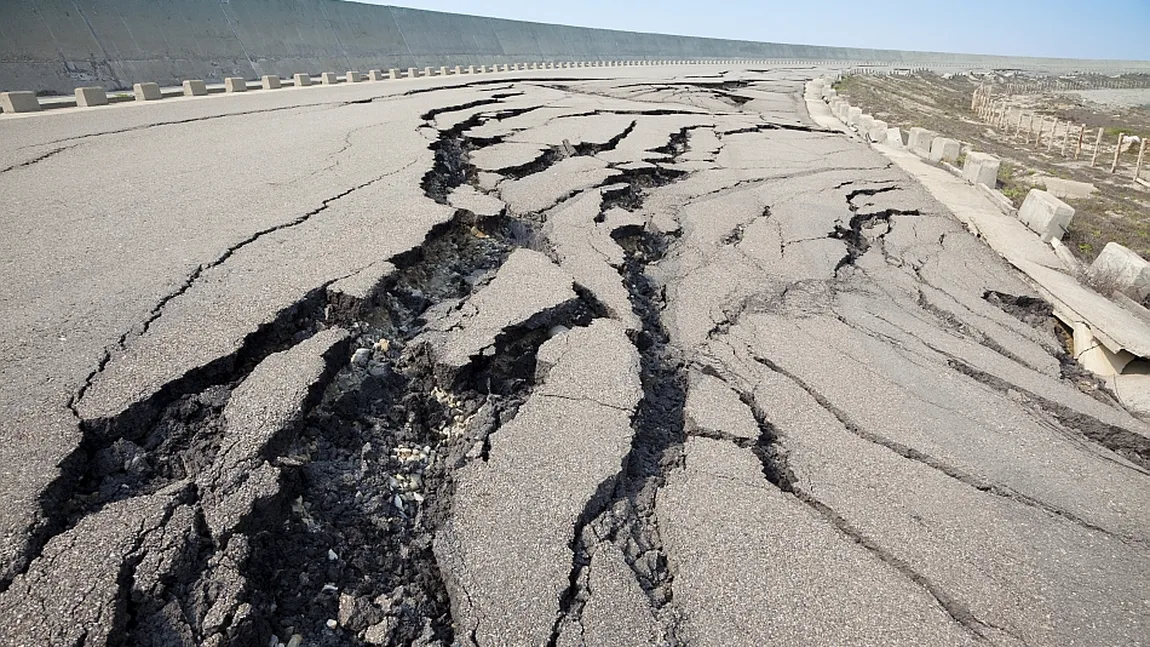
column 535, row 361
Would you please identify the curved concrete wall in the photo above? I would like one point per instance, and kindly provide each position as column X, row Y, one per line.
column 57, row 45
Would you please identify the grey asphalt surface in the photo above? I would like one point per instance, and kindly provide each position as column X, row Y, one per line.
column 792, row 419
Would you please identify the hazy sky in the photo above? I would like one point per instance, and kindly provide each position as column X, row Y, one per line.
column 1080, row 29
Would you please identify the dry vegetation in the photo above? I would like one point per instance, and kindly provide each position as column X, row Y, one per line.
column 1119, row 211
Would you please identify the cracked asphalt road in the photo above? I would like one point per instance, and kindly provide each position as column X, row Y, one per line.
column 541, row 359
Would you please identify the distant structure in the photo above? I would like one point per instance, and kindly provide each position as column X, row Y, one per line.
column 54, row 46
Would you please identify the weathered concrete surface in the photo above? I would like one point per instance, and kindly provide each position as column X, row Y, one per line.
column 1045, row 215
column 777, row 394
column 981, row 168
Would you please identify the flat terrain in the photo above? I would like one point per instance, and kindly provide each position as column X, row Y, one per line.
column 548, row 358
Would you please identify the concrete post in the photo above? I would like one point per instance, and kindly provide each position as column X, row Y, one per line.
column 412, row 73
column 471, row 69
column 353, row 77
column 1141, row 156
column 375, row 75
column 22, row 101
column 88, row 97
column 443, row 70
column 1097, row 147
column 235, row 84
column 427, row 71
column 393, row 73
column 301, row 80
column 1117, row 152
column 147, row 91
column 270, row 82
column 194, row 88
column 458, row 70
column 328, row 78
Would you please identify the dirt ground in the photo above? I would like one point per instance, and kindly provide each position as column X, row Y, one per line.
column 1118, row 211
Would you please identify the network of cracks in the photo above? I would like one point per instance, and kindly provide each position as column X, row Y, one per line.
column 341, row 549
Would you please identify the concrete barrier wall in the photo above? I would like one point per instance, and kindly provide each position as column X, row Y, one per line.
column 57, row 45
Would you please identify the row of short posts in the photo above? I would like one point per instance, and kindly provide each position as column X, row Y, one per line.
column 1021, row 124
column 98, row 96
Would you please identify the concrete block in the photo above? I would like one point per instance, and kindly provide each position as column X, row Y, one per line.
column 920, row 140
column 877, row 132
column 87, row 97
column 375, row 75
column 301, row 80
column 443, row 70
column 944, row 149
column 865, row 123
column 147, row 91
column 471, row 69
column 894, row 137
column 328, row 78
column 427, row 71
column 1045, row 215
column 1124, row 269
column 393, row 73
column 853, row 115
column 458, row 70
column 270, row 82
column 195, row 88
column 412, row 73
column 19, row 102
column 483, row 69
column 353, row 76
column 235, row 84
column 981, row 168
